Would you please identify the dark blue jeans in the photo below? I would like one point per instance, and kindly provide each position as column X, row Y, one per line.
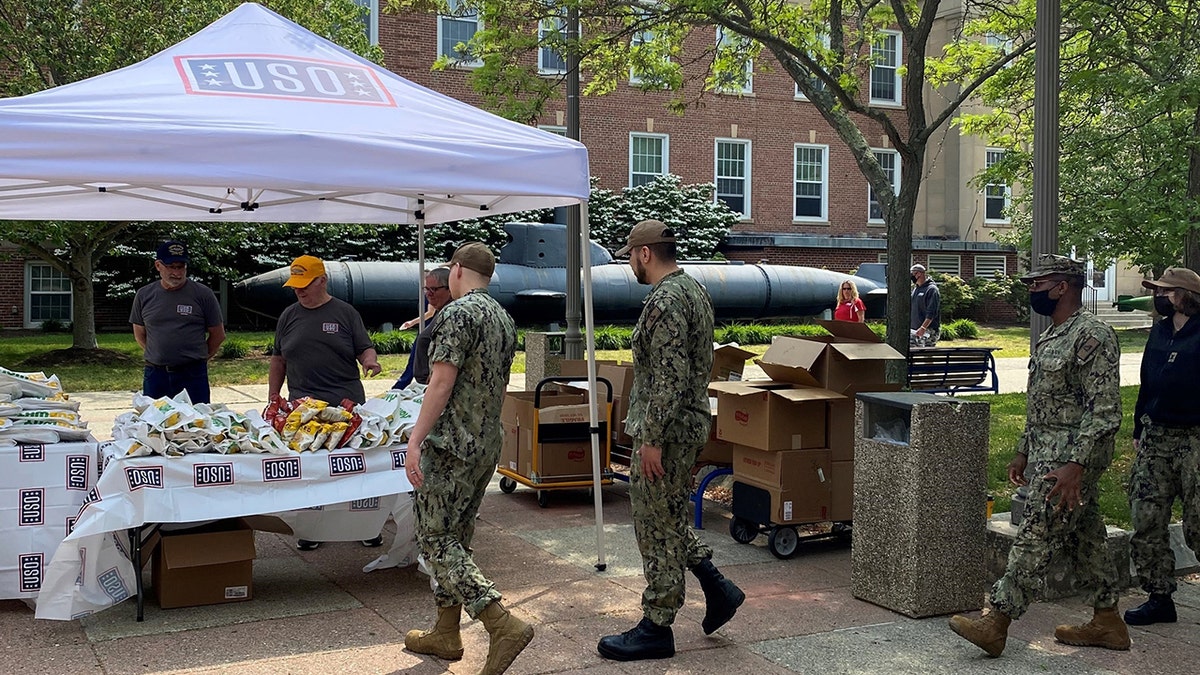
column 159, row 381
column 407, row 376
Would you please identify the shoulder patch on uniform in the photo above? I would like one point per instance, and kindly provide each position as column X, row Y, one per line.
column 653, row 313
column 1087, row 348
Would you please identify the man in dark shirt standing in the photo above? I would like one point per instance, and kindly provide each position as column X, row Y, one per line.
column 1166, row 438
column 178, row 324
column 925, row 313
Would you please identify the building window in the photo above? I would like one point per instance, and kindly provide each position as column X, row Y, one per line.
column 648, row 157
column 455, row 31
column 552, row 33
column 732, row 174
column 370, row 19
column 812, row 183
column 996, row 195
column 885, row 68
column 742, row 83
column 557, row 130
column 989, row 265
column 816, row 82
column 889, row 161
column 49, row 294
column 945, row 263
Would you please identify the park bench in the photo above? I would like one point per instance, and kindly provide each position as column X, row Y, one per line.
column 952, row 370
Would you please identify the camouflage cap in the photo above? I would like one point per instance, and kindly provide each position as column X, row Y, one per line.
column 1049, row 264
column 1176, row 277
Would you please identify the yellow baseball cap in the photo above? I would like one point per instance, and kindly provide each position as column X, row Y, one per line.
column 305, row 269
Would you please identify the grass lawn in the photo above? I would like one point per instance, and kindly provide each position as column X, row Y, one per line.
column 1008, row 421
column 1013, row 341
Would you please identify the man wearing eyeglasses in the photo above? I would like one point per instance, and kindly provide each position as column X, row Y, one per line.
column 437, row 295
column 1072, row 416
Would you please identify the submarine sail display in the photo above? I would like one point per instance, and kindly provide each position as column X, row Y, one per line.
column 530, row 282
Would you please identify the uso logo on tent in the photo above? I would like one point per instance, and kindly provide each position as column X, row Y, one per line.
column 265, row 76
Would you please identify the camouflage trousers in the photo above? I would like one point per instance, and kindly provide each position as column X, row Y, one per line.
column 1046, row 533
column 444, row 509
column 662, row 523
column 1167, row 467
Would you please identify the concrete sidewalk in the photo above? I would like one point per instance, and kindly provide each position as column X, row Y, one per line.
column 317, row 612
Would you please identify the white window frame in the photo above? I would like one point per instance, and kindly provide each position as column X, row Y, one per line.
column 895, row 183
column 726, row 41
column 372, row 20
column 545, row 52
column 945, row 263
column 665, row 155
column 29, row 293
column 799, row 95
column 454, row 4
column 876, row 52
column 746, row 178
column 1002, row 43
column 987, row 265
column 1001, row 190
column 824, row 149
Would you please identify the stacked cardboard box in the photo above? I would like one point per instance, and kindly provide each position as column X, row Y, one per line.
column 793, row 435
column 547, row 438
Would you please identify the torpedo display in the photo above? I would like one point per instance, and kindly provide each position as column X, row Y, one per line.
column 531, row 277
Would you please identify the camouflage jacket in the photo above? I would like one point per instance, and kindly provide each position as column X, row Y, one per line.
column 1074, row 396
column 476, row 335
column 672, row 359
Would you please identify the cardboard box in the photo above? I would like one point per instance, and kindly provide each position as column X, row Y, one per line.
column 803, row 470
column 620, row 376
column 779, row 505
column 552, row 441
column 204, row 566
column 772, row 415
column 729, row 362
column 842, row 491
column 852, row 358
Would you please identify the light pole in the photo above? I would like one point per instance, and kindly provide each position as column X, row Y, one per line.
column 573, row 341
column 1045, row 144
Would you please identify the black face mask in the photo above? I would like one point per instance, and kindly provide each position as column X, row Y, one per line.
column 1040, row 302
column 913, row 277
column 1162, row 305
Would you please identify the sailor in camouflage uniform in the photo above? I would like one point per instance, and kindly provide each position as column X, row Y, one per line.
column 1166, row 438
column 452, row 454
column 669, row 420
column 1073, row 413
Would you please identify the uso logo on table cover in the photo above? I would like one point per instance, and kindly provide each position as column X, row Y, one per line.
column 113, row 585
column 32, row 453
column 77, row 471
column 70, row 524
column 208, row 475
column 33, row 506
column 281, row 468
column 398, row 459
column 92, row 497
column 82, row 566
column 285, row 77
column 369, row 504
column 30, row 565
column 140, row 477
column 344, row 465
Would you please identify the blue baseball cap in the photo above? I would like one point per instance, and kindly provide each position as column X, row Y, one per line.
column 171, row 252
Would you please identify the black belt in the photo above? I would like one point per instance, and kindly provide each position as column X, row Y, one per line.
column 190, row 365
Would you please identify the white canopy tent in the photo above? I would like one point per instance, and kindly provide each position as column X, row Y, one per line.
column 256, row 119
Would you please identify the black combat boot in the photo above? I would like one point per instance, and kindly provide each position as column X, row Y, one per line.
column 646, row 640
column 721, row 596
column 1159, row 608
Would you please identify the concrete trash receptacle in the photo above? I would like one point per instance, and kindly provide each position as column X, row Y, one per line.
column 543, row 356
column 920, row 502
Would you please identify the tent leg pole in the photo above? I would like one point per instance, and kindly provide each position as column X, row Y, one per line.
column 590, row 337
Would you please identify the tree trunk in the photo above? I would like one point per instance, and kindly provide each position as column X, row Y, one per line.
column 899, row 255
column 83, row 297
column 1191, row 243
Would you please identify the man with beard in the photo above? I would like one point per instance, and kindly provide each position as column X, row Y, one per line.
column 1073, row 413
column 178, row 324
column 669, row 419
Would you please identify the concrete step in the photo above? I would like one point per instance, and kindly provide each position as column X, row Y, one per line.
column 1117, row 319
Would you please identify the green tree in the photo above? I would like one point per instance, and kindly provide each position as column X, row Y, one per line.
column 825, row 46
column 48, row 43
column 1129, row 131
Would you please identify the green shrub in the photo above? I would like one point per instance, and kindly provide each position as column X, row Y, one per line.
column 964, row 329
column 948, row 332
column 54, row 326
column 393, row 342
column 613, row 337
column 234, row 348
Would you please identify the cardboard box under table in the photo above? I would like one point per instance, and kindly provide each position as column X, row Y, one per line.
column 547, row 442
column 203, row 566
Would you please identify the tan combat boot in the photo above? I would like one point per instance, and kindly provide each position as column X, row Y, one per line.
column 509, row 635
column 989, row 632
column 444, row 641
column 1106, row 629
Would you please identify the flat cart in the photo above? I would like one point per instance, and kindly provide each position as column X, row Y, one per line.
column 548, row 441
column 752, row 514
